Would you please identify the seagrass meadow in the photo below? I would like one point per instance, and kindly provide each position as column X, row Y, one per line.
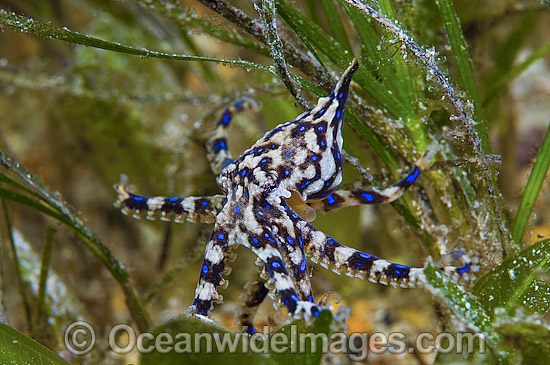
column 90, row 90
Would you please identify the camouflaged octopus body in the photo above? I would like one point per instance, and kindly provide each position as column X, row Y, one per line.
column 270, row 194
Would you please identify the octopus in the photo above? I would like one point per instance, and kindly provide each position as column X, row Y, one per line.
column 270, row 196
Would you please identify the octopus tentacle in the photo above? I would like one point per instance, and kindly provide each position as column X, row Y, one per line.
column 348, row 198
column 329, row 253
column 204, row 208
column 213, row 266
column 255, row 293
column 266, row 246
column 217, row 150
column 288, row 232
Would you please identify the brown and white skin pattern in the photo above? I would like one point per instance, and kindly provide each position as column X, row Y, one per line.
column 270, row 194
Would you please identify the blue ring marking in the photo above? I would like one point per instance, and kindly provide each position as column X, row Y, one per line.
column 311, row 299
column 221, row 236
column 260, row 213
column 246, row 193
column 397, row 272
column 368, row 196
column 266, row 235
column 226, row 117
column 276, row 265
column 259, row 150
column 410, row 179
column 365, row 256
column 302, row 128
column 330, row 241
column 173, row 199
column 331, row 199
column 401, row 266
column 294, row 297
column 300, row 241
column 359, row 264
column 264, row 160
column 320, row 128
column 267, row 206
column 223, row 145
column 238, row 209
column 316, row 313
column 341, row 95
column 216, row 147
column 465, row 268
column 205, row 269
column 323, row 143
column 314, row 158
column 321, row 112
column 287, row 172
column 338, row 114
column 305, row 184
column 204, row 203
column 338, row 155
column 243, row 172
column 327, row 183
column 239, row 105
column 303, row 266
column 287, row 154
column 138, row 198
column 294, row 215
column 273, row 146
column 202, row 313
column 255, row 240
column 290, row 240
